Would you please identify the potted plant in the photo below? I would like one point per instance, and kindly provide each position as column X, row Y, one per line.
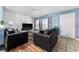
column 1, row 22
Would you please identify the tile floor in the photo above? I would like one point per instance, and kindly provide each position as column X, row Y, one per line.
column 63, row 45
column 66, row 45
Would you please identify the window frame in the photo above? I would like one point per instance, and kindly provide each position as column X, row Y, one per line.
column 45, row 23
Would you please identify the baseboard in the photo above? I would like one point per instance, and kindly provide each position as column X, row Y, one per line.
column 77, row 39
column 70, row 38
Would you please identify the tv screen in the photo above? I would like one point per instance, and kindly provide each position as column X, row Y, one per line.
column 26, row 26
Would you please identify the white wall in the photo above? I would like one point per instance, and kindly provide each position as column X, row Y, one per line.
column 16, row 19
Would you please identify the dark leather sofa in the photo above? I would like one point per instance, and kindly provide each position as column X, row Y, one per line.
column 46, row 41
column 13, row 40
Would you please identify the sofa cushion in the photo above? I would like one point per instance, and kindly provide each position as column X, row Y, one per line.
column 41, row 31
column 49, row 31
column 46, row 32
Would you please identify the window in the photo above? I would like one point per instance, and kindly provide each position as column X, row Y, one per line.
column 55, row 21
column 37, row 25
column 45, row 23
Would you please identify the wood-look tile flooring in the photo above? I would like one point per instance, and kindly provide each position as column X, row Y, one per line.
column 63, row 45
column 66, row 45
column 27, row 47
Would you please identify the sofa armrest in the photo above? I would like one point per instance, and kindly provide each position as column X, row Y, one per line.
column 14, row 40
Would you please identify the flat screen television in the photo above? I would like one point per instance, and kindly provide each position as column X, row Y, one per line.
column 26, row 26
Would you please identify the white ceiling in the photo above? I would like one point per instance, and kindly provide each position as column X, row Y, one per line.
column 36, row 11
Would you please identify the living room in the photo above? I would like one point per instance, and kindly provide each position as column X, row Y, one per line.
column 39, row 29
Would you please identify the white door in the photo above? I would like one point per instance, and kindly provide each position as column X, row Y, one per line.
column 67, row 25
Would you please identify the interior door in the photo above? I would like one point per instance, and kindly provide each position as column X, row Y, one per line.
column 67, row 25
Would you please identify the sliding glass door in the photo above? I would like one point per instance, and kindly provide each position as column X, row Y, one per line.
column 45, row 23
column 1, row 26
column 37, row 24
